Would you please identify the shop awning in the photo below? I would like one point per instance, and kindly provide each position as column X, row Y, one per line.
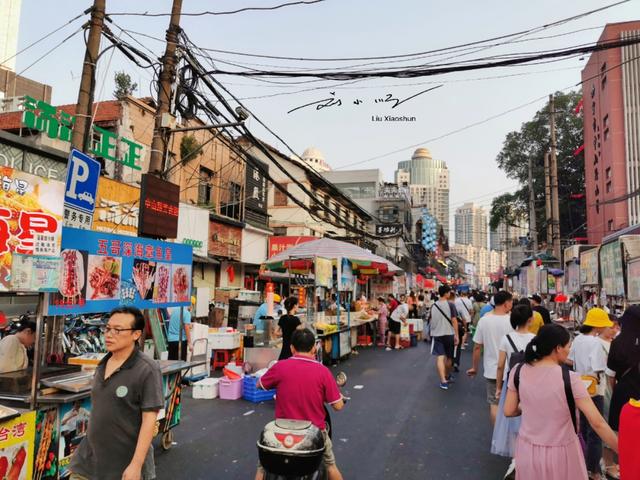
column 206, row 260
column 332, row 249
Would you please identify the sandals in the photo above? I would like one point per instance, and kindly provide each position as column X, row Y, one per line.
column 615, row 472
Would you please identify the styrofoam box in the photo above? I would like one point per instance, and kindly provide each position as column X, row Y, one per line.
column 207, row 388
column 224, row 340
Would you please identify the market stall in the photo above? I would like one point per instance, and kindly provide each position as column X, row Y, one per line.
column 87, row 274
column 337, row 268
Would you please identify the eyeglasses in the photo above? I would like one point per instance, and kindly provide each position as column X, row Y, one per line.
column 115, row 331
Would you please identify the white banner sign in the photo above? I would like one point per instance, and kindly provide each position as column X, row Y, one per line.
column 193, row 228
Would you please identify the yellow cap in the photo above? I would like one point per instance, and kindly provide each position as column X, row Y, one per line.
column 193, row 300
column 597, row 318
column 277, row 298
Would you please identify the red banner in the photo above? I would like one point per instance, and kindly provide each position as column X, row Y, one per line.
column 280, row 244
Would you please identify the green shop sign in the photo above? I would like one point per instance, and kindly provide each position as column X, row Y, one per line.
column 193, row 243
column 41, row 116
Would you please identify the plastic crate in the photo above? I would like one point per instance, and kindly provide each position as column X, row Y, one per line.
column 206, row 389
column 230, row 389
column 252, row 393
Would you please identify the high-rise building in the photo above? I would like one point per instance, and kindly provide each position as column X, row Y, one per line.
column 9, row 25
column 428, row 181
column 611, row 106
column 471, row 225
column 505, row 237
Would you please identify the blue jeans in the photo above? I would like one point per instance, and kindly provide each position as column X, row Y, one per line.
column 591, row 438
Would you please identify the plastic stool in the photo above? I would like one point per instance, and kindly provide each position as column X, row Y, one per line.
column 220, row 358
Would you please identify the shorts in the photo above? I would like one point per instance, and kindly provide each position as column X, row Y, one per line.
column 491, row 392
column 443, row 346
column 328, row 457
column 394, row 327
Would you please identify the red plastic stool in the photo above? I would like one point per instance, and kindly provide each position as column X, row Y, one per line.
column 220, row 358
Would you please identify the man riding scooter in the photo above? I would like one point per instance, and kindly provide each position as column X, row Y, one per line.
column 303, row 386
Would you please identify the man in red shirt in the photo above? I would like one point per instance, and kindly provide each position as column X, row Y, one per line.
column 393, row 303
column 303, row 386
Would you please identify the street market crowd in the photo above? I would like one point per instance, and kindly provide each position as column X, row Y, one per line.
column 564, row 397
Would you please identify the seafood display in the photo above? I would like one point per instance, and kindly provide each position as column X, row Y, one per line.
column 104, row 278
column 181, row 275
column 163, row 278
column 72, row 275
column 143, row 277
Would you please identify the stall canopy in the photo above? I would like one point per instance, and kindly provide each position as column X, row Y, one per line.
column 361, row 259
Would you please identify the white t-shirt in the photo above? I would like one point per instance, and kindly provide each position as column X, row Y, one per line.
column 491, row 328
column 13, row 355
column 589, row 357
column 401, row 310
column 464, row 307
column 521, row 340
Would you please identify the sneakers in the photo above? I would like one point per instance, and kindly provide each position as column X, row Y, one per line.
column 451, row 379
column 388, row 349
column 444, row 385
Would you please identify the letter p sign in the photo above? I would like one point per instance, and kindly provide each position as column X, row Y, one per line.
column 83, row 173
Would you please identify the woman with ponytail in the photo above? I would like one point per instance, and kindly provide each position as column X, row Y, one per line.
column 546, row 394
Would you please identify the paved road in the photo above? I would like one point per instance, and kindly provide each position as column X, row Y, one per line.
column 400, row 425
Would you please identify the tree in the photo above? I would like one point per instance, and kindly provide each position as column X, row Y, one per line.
column 190, row 148
column 124, row 85
column 533, row 140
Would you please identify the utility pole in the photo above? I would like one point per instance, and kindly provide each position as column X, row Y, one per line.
column 79, row 138
column 532, row 210
column 547, row 200
column 159, row 143
column 553, row 164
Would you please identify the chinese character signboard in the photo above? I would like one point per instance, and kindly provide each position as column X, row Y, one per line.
column 80, row 191
column 58, row 124
column 389, row 229
column 17, row 437
column 193, row 228
column 100, row 271
column 611, row 269
column 224, row 241
column 117, row 208
column 280, row 244
column 256, row 187
column 15, row 156
column 158, row 208
column 30, row 218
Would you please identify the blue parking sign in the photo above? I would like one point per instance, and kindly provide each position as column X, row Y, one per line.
column 83, row 173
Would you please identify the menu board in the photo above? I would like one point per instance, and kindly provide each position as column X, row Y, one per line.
column 572, row 278
column 31, row 210
column 633, row 281
column 611, row 269
column 589, row 267
column 100, row 272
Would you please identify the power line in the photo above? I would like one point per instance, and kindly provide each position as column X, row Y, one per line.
column 58, row 45
column 385, row 57
column 44, row 37
column 418, row 71
column 230, row 12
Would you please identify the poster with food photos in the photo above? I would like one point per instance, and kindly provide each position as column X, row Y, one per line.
column 101, row 271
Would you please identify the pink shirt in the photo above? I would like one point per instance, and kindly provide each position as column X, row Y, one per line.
column 383, row 311
column 302, row 386
column 545, row 414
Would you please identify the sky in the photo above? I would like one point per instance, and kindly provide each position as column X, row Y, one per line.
column 345, row 133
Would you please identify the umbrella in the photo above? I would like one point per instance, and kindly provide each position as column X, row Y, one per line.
column 332, row 249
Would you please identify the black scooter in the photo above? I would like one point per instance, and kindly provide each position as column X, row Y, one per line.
column 293, row 449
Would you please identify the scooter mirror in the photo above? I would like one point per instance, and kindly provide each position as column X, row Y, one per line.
column 341, row 379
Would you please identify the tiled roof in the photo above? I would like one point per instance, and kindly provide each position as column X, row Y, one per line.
column 106, row 112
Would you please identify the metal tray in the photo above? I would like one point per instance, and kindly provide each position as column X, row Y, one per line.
column 71, row 382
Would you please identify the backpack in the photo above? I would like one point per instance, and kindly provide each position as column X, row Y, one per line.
column 566, row 379
column 517, row 356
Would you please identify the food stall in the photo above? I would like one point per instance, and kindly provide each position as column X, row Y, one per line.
column 336, row 267
column 47, row 408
